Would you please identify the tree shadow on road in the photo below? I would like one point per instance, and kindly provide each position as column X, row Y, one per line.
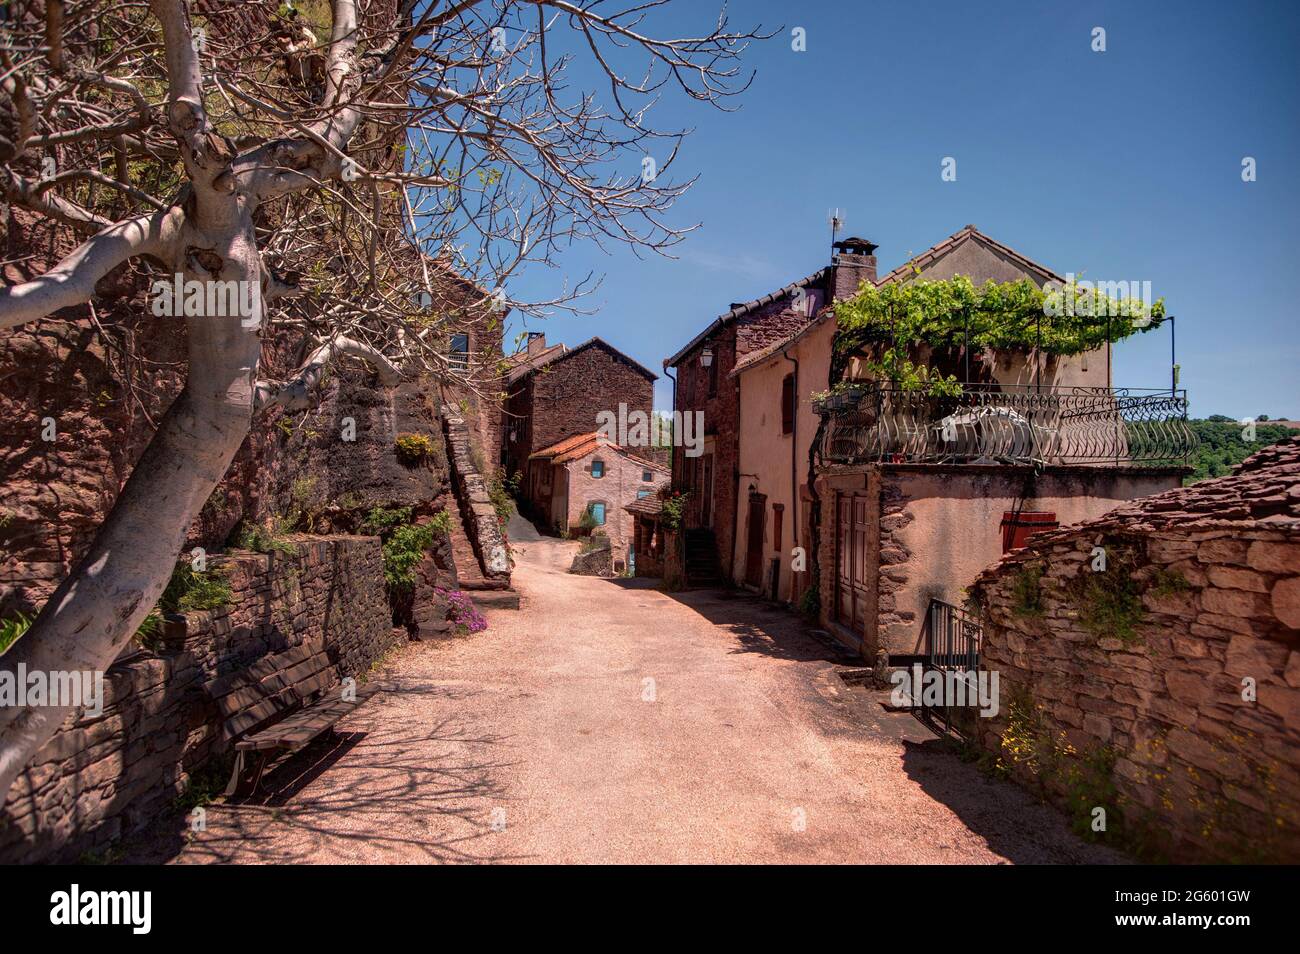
column 395, row 793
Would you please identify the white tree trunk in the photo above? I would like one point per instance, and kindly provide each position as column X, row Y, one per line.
column 99, row 607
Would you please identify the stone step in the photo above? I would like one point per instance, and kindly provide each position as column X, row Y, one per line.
column 495, row 599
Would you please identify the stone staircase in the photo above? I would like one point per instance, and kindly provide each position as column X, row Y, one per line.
column 702, row 566
column 477, row 543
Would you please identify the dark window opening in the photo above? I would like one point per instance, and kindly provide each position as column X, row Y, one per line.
column 787, row 404
column 458, row 353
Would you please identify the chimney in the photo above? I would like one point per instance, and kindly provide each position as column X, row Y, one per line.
column 855, row 262
column 536, row 342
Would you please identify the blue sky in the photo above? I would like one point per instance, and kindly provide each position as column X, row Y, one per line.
column 1117, row 165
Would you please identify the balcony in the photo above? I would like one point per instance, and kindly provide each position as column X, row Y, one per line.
column 1009, row 424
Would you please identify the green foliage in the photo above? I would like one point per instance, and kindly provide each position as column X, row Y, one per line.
column 411, row 449
column 673, row 510
column 189, row 591
column 1026, row 591
column 382, row 520
column 149, row 635
column 404, row 543
column 1110, row 601
column 1168, row 582
column 902, row 374
column 1002, row 316
column 12, row 628
column 1085, row 779
column 440, row 523
column 255, row 537
column 1221, row 447
column 810, row 603
column 403, row 551
column 502, row 490
column 588, row 519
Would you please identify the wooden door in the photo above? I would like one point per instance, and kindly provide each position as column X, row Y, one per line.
column 754, row 544
column 851, row 569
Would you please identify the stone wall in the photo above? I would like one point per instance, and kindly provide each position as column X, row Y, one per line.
column 1173, row 675
column 99, row 778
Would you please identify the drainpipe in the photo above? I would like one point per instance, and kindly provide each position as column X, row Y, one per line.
column 794, row 456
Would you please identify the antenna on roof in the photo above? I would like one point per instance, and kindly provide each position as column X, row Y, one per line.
column 837, row 222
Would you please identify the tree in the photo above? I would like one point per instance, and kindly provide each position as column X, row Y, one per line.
column 327, row 171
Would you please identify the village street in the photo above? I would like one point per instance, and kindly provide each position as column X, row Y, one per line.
column 608, row 721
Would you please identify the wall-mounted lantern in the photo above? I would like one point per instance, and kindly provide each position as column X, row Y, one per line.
column 706, row 357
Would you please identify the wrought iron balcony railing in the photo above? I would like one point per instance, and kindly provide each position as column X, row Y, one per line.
column 1001, row 424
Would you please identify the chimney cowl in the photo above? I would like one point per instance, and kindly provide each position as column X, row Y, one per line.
column 855, row 246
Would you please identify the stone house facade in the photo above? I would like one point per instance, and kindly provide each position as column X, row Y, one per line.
column 555, row 392
column 704, row 383
column 902, row 519
column 588, row 473
column 1180, row 703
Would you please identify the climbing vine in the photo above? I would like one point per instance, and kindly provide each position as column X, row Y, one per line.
column 1063, row 319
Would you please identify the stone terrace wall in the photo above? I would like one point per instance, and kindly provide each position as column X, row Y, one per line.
column 102, row 777
column 1163, row 735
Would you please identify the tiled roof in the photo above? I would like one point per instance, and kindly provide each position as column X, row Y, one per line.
column 744, row 308
column 776, row 347
column 559, row 352
column 969, row 233
column 580, row 445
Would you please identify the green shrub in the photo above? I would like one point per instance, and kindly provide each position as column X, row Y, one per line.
column 588, row 519
column 440, row 523
column 502, row 491
column 810, row 604
column 403, row 551
column 12, row 628
column 411, row 449
column 1109, row 601
column 382, row 520
column 673, row 510
column 255, row 537
column 189, row 591
column 1026, row 591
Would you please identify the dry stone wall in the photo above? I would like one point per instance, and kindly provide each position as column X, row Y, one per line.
column 102, row 776
column 1164, row 688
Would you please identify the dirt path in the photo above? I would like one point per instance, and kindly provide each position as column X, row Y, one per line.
column 607, row 721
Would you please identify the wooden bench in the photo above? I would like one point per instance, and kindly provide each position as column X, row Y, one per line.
column 279, row 704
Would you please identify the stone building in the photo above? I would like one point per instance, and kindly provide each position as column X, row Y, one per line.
column 554, row 392
column 704, row 383
column 916, row 494
column 1171, row 670
column 589, row 474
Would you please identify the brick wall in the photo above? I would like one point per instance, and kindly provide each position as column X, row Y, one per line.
column 1164, row 731
column 571, row 392
column 101, row 777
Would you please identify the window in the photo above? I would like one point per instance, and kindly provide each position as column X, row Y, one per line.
column 787, row 404
column 647, row 476
column 458, row 353
column 713, row 376
column 597, row 511
column 597, row 468
column 642, row 493
column 778, row 516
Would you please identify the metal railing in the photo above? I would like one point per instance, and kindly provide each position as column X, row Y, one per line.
column 1009, row 424
column 952, row 646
